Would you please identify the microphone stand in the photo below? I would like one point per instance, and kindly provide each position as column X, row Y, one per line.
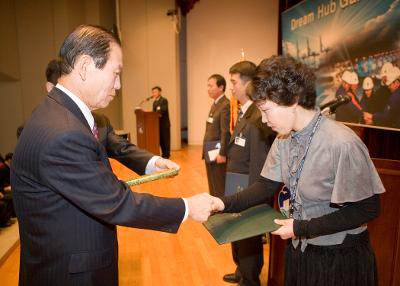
column 329, row 108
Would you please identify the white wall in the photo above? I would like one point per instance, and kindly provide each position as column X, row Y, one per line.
column 151, row 57
column 216, row 33
column 33, row 32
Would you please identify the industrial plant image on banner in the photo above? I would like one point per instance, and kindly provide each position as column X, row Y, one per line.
column 354, row 48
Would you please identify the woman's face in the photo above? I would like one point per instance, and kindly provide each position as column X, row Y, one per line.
column 280, row 118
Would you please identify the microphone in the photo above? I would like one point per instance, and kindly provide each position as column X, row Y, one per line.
column 146, row 99
column 331, row 106
column 143, row 101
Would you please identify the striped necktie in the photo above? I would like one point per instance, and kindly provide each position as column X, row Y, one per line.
column 95, row 131
column 240, row 114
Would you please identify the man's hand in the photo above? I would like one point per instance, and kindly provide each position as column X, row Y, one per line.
column 163, row 164
column 200, row 207
column 286, row 229
column 367, row 118
column 220, row 159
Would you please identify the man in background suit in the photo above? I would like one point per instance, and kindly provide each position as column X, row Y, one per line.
column 247, row 151
column 68, row 201
column 160, row 105
column 217, row 129
column 138, row 160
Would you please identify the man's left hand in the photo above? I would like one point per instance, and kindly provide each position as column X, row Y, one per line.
column 163, row 164
column 220, row 159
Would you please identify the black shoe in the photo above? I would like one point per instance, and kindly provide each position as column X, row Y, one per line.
column 230, row 278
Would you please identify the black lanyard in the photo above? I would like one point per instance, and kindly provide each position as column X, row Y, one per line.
column 294, row 189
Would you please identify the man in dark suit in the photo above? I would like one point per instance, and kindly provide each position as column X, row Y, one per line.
column 68, row 201
column 217, row 129
column 160, row 105
column 247, row 151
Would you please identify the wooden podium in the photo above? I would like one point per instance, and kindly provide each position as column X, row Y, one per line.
column 147, row 130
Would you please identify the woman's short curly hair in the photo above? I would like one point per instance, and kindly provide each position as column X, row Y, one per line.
column 285, row 81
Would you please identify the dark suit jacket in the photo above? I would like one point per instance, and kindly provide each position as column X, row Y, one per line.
column 68, row 201
column 349, row 113
column 119, row 148
column 391, row 114
column 219, row 128
column 161, row 106
column 259, row 137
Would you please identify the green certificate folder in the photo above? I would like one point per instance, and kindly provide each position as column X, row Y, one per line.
column 228, row 227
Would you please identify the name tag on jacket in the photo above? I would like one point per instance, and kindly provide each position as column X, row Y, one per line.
column 240, row 141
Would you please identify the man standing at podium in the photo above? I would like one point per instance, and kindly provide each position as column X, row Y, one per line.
column 160, row 105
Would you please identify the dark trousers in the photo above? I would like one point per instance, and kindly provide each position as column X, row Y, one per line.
column 249, row 259
column 165, row 142
column 216, row 178
column 4, row 214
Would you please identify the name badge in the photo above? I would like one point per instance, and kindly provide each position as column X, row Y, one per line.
column 240, row 141
column 158, row 107
column 210, row 120
column 283, row 201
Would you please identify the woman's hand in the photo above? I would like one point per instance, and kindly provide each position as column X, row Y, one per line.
column 286, row 229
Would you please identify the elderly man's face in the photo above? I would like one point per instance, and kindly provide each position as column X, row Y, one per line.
column 102, row 84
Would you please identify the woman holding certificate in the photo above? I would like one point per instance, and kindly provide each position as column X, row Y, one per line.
column 333, row 184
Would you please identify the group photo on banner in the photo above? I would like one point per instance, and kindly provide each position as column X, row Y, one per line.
column 353, row 46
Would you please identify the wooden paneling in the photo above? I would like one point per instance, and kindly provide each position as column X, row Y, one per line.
column 385, row 230
column 381, row 143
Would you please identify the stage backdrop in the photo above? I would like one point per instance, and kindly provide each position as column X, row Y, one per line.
column 357, row 36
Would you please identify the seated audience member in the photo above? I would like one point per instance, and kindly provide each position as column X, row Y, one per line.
column 6, row 206
column 5, row 188
column 4, row 214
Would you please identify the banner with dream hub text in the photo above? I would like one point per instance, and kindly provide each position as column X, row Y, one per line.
column 354, row 48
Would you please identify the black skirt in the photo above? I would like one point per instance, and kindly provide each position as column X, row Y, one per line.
column 351, row 263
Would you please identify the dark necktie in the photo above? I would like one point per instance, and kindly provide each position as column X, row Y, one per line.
column 239, row 116
column 95, row 131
